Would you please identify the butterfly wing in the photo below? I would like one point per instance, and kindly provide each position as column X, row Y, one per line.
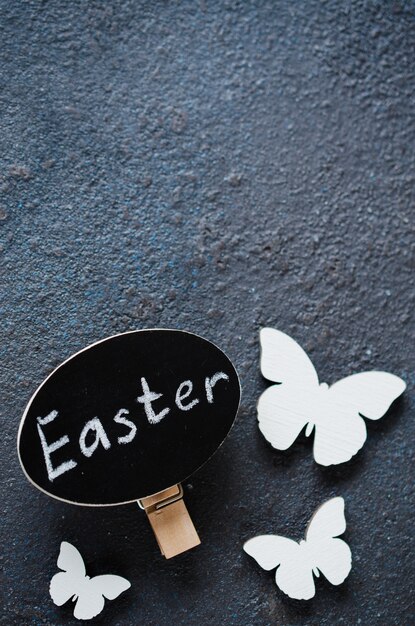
column 369, row 393
column 269, row 551
column 69, row 559
column 339, row 435
column 62, row 587
column 281, row 415
column 65, row 584
column 283, row 360
column 328, row 520
column 91, row 601
column 333, row 559
column 341, row 431
column 330, row 555
column 109, row 585
column 282, row 410
column 295, row 577
column 89, row 604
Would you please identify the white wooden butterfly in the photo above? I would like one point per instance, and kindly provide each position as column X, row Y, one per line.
column 334, row 412
column 321, row 551
column 88, row 593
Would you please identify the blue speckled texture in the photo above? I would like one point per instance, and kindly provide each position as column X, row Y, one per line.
column 212, row 166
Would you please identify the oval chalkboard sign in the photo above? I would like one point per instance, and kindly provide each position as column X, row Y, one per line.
column 128, row 417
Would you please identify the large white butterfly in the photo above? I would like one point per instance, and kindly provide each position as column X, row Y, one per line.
column 321, row 551
column 334, row 412
column 88, row 593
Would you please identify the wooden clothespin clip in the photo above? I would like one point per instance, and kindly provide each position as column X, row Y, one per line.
column 170, row 521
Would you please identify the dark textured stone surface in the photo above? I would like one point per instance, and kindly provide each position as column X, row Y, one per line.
column 213, row 166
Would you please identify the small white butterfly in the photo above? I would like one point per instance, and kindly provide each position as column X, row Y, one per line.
column 334, row 412
column 321, row 551
column 88, row 593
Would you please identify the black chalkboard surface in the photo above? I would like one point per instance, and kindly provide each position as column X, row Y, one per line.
column 128, row 417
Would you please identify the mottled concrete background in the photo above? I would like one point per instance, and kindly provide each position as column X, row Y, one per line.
column 212, row 166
